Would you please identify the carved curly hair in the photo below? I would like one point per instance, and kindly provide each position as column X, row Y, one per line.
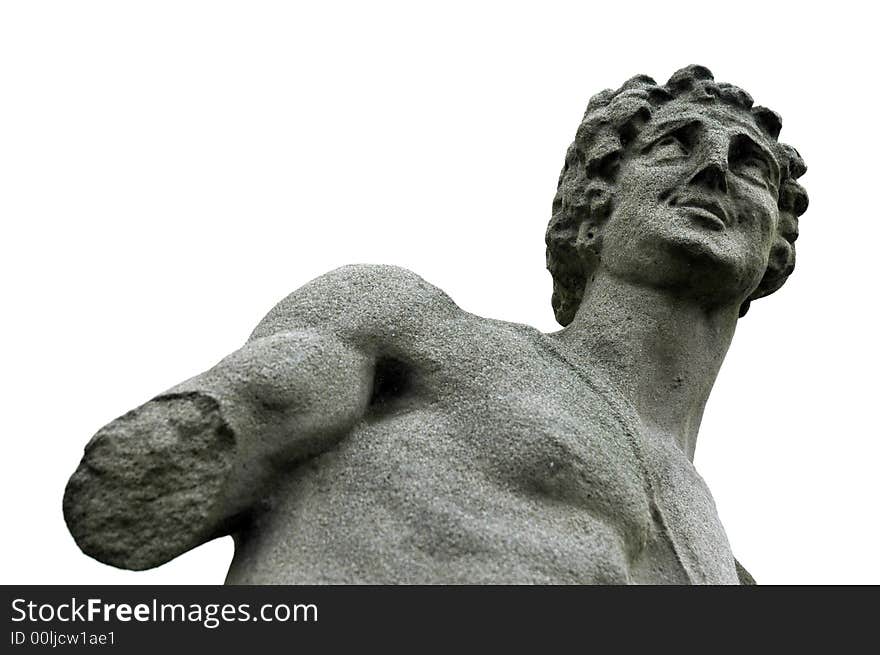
column 585, row 193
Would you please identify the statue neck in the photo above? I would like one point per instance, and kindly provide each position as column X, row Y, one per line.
column 661, row 351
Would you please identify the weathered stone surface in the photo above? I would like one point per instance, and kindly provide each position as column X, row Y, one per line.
column 149, row 480
column 370, row 431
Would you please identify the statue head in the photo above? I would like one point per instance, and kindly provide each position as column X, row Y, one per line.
column 683, row 186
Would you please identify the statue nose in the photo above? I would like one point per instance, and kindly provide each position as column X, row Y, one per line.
column 711, row 176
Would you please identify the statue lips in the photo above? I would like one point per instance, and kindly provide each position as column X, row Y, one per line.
column 711, row 212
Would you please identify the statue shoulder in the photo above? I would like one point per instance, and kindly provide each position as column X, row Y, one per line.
column 362, row 298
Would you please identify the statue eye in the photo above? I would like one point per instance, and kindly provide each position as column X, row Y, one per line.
column 755, row 168
column 749, row 162
column 669, row 147
column 755, row 163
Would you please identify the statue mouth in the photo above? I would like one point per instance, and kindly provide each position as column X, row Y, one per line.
column 710, row 212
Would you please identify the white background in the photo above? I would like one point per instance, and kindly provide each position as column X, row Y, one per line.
column 170, row 170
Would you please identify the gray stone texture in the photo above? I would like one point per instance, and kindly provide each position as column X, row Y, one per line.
column 370, row 431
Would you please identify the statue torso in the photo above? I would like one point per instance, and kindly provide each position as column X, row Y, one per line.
column 491, row 459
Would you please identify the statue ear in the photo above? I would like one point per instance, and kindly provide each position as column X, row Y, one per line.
column 589, row 237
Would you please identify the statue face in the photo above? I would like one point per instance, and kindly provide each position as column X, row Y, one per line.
column 695, row 203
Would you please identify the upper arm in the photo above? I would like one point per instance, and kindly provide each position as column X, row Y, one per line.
column 289, row 394
column 308, row 369
column 188, row 465
column 310, row 366
column 184, row 467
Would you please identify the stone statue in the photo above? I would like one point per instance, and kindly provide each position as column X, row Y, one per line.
column 370, row 431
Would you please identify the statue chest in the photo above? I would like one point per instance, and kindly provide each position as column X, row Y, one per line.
column 562, row 439
column 509, row 468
